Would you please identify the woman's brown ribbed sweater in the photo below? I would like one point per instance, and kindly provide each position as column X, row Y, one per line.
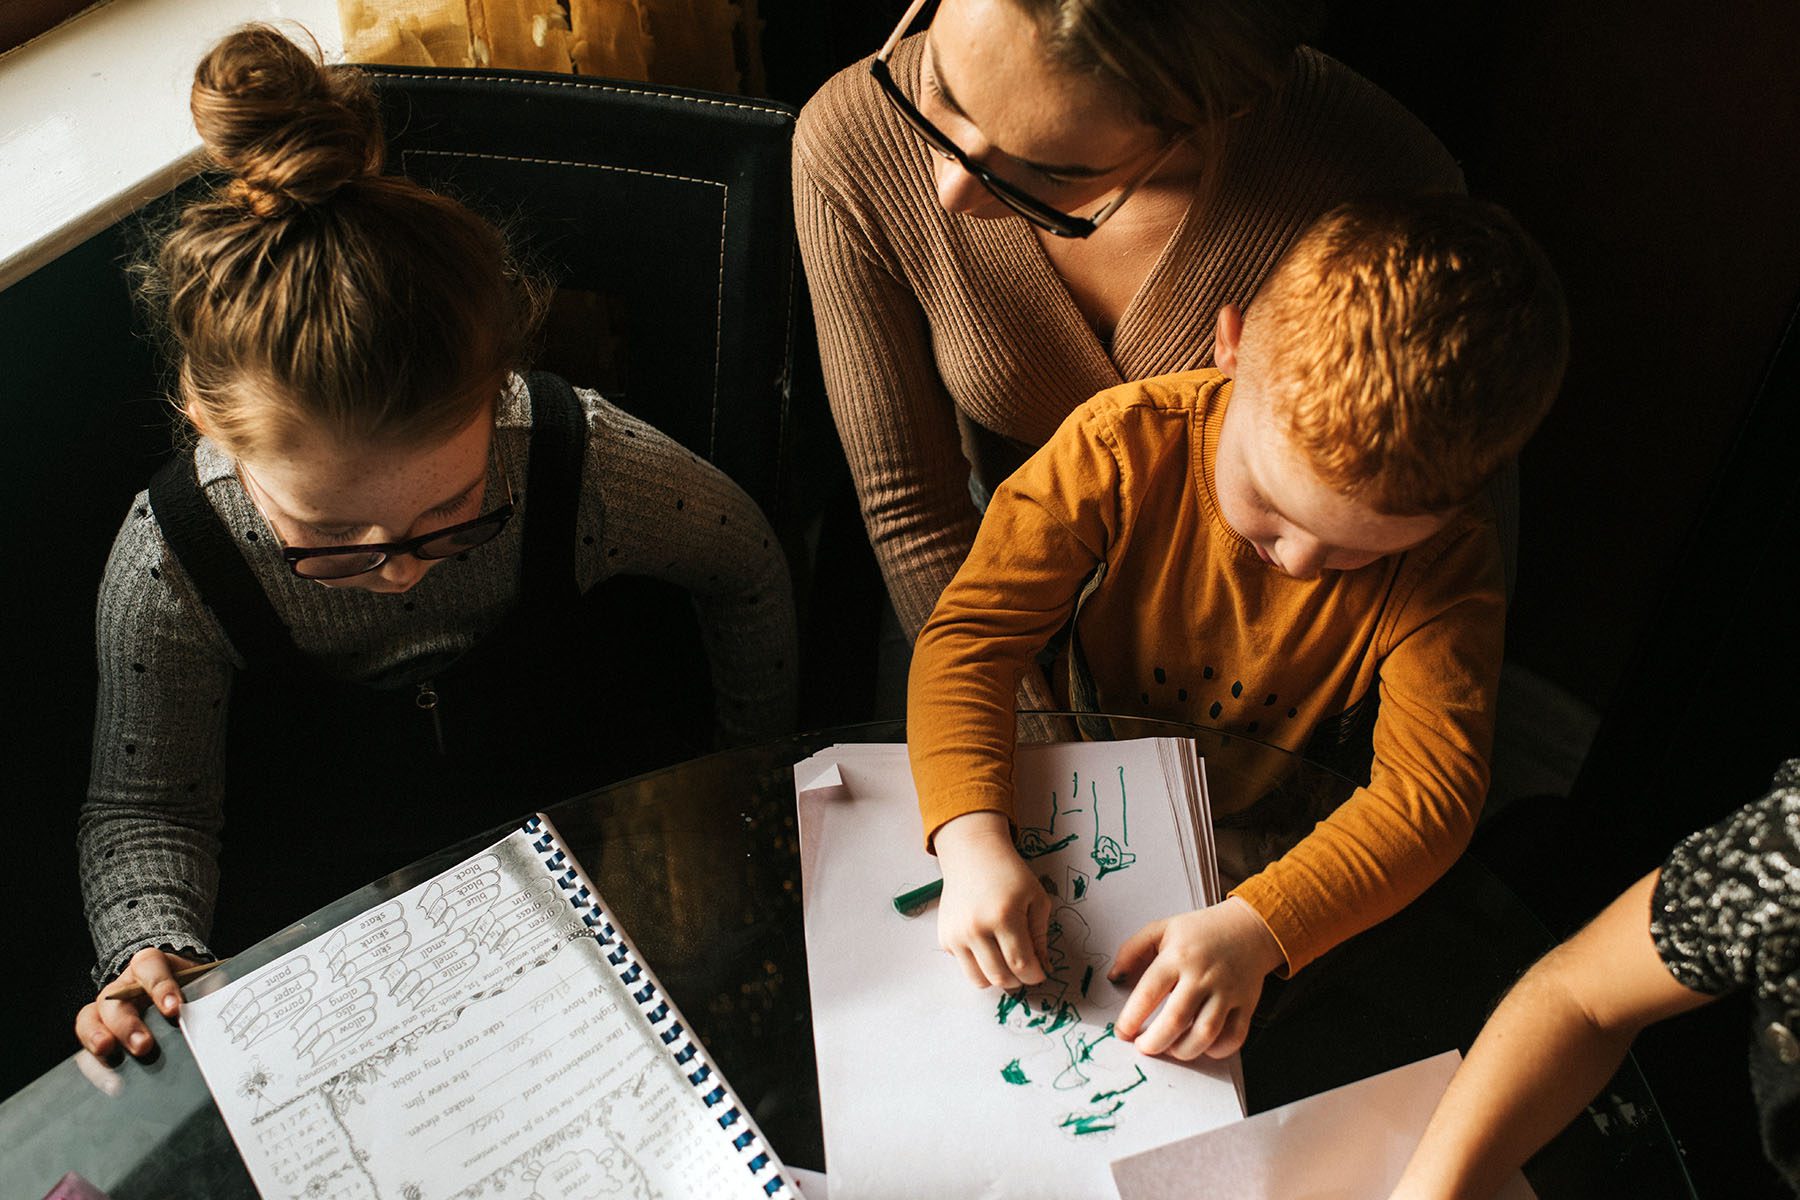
column 926, row 316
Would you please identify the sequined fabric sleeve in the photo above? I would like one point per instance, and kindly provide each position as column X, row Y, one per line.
column 1726, row 911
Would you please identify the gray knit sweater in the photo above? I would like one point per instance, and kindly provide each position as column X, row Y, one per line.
column 149, row 833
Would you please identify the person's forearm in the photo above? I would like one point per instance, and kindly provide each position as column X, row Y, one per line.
column 1547, row 1050
column 1537, row 1063
column 148, row 858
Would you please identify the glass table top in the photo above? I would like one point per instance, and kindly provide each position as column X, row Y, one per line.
column 700, row 862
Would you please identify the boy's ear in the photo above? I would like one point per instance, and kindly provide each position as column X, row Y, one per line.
column 1226, row 335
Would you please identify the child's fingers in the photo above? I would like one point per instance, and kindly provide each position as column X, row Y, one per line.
column 1231, row 1038
column 967, row 960
column 1176, row 1018
column 987, row 955
column 167, row 997
column 123, row 1022
column 1137, row 952
column 157, row 977
column 1204, row 1033
column 1144, row 998
column 92, row 1032
column 1019, row 951
column 1040, row 934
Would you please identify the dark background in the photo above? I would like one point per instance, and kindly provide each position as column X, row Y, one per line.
column 1653, row 148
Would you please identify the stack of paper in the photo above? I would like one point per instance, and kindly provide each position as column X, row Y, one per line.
column 929, row 1086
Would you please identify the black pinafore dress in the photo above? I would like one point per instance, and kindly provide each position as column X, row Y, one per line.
column 330, row 785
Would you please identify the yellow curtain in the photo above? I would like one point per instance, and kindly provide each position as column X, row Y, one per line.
column 711, row 44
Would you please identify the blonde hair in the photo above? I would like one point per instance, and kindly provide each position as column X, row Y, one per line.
column 1182, row 65
column 308, row 291
column 1410, row 346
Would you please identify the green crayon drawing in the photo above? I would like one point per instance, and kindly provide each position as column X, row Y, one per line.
column 1032, row 843
column 1108, row 853
column 1074, row 791
column 1077, row 884
column 1049, row 1021
column 1110, row 857
column 1124, row 811
column 1036, row 841
column 1081, row 1124
column 1050, row 1006
column 1080, row 1051
column 1099, row 1096
column 1074, row 1059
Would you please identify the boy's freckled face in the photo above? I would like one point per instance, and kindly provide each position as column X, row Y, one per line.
column 1272, row 498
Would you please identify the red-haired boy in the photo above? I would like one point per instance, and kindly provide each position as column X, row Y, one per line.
column 1265, row 548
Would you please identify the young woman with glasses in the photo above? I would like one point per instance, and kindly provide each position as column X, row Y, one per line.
column 379, row 546
column 1034, row 200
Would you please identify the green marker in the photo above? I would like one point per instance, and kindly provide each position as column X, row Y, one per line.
column 911, row 903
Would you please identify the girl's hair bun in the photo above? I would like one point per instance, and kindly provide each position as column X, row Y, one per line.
column 291, row 132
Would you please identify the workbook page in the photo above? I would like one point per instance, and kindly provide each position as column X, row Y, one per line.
column 467, row 1038
column 932, row 1087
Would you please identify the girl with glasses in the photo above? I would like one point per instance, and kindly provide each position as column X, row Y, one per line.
column 380, row 556
column 1034, row 200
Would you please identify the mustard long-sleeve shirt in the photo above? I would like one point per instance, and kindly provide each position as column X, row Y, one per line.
column 1189, row 624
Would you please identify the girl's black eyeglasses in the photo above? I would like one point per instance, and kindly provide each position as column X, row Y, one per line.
column 328, row 563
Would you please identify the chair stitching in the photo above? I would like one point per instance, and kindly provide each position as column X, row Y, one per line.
column 719, row 326
column 598, row 87
column 563, row 162
column 787, row 382
column 724, row 211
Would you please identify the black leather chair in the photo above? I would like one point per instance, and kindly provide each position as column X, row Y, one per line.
column 664, row 216
column 672, row 206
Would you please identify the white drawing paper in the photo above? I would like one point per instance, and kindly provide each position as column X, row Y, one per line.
column 470, row 1037
column 1350, row 1143
column 931, row 1087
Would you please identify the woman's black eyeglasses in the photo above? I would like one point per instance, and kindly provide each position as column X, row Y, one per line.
column 328, row 563
column 1044, row 216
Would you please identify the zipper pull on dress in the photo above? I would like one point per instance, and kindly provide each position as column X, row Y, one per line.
column 427, row 699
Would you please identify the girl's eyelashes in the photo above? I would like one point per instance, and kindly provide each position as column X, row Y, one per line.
column 455, row 506
column 351, row 533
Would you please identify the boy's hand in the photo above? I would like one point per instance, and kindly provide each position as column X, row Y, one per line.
column 104, row 1025
column 994, row 915
column 1209, row 967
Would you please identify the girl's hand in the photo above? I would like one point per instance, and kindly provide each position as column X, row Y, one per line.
column 994, row 915
column 1206, row 969
column 105, row 1024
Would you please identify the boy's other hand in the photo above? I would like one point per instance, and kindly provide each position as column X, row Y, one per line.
column 1206, row 969
column 994, row 915
column 105, row 1025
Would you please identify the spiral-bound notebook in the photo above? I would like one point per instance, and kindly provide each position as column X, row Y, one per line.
column 492, row 1031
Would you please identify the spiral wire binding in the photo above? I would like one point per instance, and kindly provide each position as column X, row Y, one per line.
column 683, row 1047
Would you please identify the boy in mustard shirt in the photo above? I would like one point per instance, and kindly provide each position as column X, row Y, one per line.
column 1264, row 548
